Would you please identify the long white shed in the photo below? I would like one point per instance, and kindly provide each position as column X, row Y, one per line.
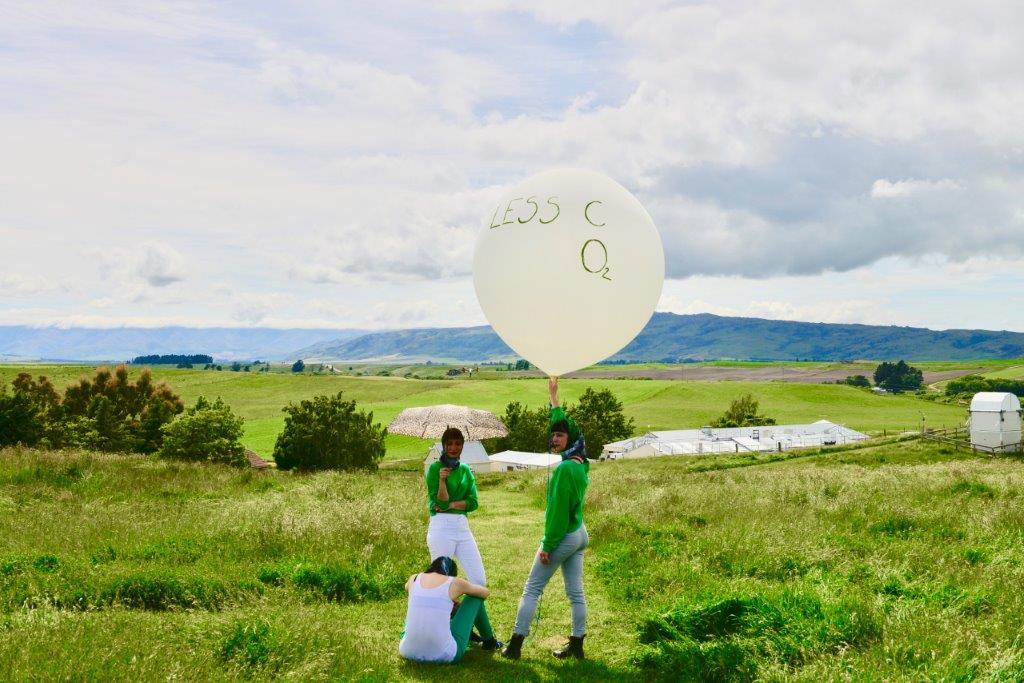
column 509, row 461
column 995, row 421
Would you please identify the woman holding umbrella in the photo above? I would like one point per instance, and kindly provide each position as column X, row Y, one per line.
column 451, row 496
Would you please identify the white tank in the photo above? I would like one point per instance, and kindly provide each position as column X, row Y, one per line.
column 995, row 421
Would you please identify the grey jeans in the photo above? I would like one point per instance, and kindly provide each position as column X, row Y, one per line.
column 569, row 556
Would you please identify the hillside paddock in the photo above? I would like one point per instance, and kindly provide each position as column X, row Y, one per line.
column 653, row 404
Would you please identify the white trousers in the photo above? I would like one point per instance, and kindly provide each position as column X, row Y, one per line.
column 449, row 536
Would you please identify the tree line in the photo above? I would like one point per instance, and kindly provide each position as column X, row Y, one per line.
column 110, row 412
column 172, row 359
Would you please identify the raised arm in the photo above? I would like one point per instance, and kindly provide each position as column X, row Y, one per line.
column 462, row 587
column 553, row 391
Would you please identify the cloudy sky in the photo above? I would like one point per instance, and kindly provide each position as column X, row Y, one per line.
column 317, row 164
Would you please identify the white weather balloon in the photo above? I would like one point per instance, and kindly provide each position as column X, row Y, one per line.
column 569, row 269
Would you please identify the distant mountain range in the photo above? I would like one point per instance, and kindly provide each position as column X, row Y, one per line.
column 667, row 337
column 19, row 342
column 674, row 338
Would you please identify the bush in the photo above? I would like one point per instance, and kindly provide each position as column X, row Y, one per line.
column 598, row 414
column 972, row 384
column 248, row 644
column 160, row 592
column 600, row 418
column 298, row 366
column 328, row 432
column 527, row 430
column 110, row 413
column 743, row 413
column 207, row 432
column 20, row 421
column 858, row 381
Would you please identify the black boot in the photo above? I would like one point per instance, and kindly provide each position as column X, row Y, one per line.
column 514, row 649
column 491, row 644
column 574, row 648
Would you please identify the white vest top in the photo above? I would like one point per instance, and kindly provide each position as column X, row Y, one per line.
column 428, row 634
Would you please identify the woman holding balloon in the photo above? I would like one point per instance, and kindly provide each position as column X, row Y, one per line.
column 583, row 236
column 565, row 535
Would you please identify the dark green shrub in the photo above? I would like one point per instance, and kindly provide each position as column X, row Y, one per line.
column 599, row 415
column 46, row 563
column 159, row 592
column 328, row 432
column 112, row 413
column 527, row 430
column 248, row 644
column 207, row 432
column 347, row 584
column 601, row 419
column 27, row 411
column 728, row 639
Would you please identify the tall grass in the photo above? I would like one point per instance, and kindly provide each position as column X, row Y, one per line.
column 899, row 561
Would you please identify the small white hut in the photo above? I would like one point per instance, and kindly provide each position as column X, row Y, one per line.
column 473, row 454
column 995, row 421
column 510, row 461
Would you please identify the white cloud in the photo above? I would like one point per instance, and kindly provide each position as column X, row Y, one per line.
column 887, row 189
column 342, row 150
column 19, row 285
column 160, row 265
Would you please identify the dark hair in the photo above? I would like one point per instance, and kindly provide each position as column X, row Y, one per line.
column 443, row 565
column 451, row 434
column 560, row 426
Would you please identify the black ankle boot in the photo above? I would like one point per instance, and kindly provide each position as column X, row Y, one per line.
column 514, row 649
column 491, row 644
column 574, row 648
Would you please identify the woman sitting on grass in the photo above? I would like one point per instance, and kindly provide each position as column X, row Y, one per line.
column 432, row 634
column 451, row 496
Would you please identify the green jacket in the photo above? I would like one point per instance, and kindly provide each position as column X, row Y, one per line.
column 566, row 489
column 461, row 486
column 564, row 513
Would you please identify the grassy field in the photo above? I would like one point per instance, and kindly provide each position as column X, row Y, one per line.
column 1012, row 372
column 653, row 404
column 899, row 561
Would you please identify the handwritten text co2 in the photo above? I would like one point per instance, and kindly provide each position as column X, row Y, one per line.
column 593, row 253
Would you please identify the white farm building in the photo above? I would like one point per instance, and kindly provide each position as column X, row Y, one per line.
column 709, row 440
column 509, row 461
column 995, row 421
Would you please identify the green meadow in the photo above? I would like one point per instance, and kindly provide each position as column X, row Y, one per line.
column 653, row 404
column 900, row 561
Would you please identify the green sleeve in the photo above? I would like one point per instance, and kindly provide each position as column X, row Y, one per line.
column 556, row 516
column 433, row 478
column 471, row 496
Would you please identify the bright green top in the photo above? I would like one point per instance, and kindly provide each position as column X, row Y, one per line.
column 461, row 486
column 564, row 513
column 568, row 485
